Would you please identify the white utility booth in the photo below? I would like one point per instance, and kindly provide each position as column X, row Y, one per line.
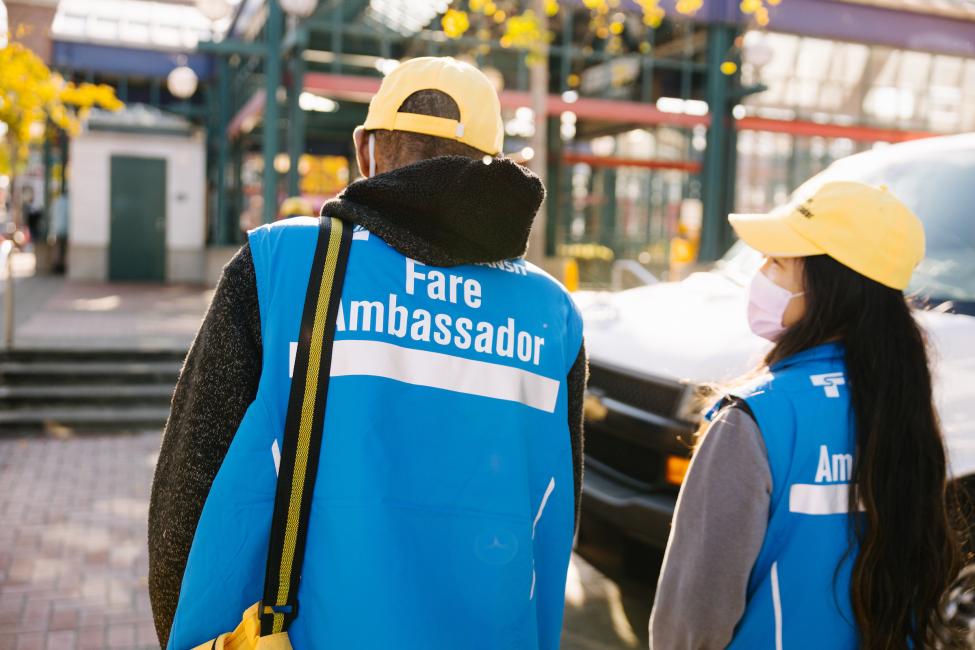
column 137, row 197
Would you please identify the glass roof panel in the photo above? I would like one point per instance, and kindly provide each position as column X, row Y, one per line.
column 100, row 28
column 782, row 62
column 915, row 70
column 133, row 23
column 885, row 64
column 830, row 98
column 946, row 71
column 814, row 58
column 849, row 60
column 968, row 80
column 134, row 32
column 848, row 83
column 405, row 16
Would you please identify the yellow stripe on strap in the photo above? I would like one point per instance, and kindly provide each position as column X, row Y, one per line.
column 307, row 417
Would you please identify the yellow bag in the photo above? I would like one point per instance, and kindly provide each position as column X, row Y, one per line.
column 299, row 453
column 247, row 636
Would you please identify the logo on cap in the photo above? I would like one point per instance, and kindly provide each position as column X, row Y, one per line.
column 804, row 211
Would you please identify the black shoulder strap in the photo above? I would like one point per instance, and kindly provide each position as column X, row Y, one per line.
column 303, row 427
column 733, row 401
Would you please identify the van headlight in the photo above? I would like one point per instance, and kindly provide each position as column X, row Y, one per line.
column 693, row 402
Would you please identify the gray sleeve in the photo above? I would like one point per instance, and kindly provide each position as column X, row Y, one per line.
column 718, row 529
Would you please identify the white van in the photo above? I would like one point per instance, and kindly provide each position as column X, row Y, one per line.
column 651, row 347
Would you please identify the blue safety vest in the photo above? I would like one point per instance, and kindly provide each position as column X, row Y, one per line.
column 799, row 589
column 443, row 511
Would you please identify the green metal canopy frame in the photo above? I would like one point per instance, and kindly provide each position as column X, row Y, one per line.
column 249, row 78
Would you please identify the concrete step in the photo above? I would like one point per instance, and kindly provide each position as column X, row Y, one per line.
column 67, row 420
column 59, row 372
column 87, row 392
column 76, row 354
column 30, row 396
column 67, row 390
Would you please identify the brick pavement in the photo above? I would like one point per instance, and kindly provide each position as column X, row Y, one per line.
column 73, row 559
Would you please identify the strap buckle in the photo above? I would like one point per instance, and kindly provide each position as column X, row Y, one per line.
column 284, row 613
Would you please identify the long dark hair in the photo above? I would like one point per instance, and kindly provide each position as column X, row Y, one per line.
column 909, row 552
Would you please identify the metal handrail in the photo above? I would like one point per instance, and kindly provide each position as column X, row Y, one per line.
column 7, row 262
column 634, row 268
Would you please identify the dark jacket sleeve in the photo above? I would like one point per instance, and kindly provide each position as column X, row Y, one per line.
column 216, row 385
column 578, row 376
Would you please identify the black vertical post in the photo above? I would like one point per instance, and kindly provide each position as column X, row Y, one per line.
column 224, row 233
column 554, row 191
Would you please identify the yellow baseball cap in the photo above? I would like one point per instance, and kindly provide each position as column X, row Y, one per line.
column 295, row 206
column 480, row 124
column 860, row 226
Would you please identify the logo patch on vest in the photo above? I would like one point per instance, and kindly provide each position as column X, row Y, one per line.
column 830, row 382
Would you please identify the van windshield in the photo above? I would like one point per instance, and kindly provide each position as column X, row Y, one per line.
column 939, row 186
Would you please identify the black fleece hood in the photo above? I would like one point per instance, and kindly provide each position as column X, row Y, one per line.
column 447, row 211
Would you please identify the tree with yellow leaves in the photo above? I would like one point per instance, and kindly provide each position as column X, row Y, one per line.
column 523, row 28
column 31, row 97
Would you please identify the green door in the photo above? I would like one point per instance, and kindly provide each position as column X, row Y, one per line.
column 137, row 244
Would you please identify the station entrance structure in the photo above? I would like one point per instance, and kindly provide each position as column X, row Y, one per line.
column 638, row 139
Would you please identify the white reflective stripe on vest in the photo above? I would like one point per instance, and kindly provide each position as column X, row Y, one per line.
column 813, row 499
column 777, row 605
column 438, row 370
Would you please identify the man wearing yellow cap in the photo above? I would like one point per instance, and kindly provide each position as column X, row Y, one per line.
column 816, row 512
column 449, row 477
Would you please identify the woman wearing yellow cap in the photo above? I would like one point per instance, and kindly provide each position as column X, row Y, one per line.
column 815, row 513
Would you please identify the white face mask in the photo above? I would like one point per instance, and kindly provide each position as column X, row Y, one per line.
column 767, row 303
column 372, row 155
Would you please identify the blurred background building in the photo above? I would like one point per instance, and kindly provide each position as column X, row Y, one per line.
column 653, row 132
column 650, row 120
